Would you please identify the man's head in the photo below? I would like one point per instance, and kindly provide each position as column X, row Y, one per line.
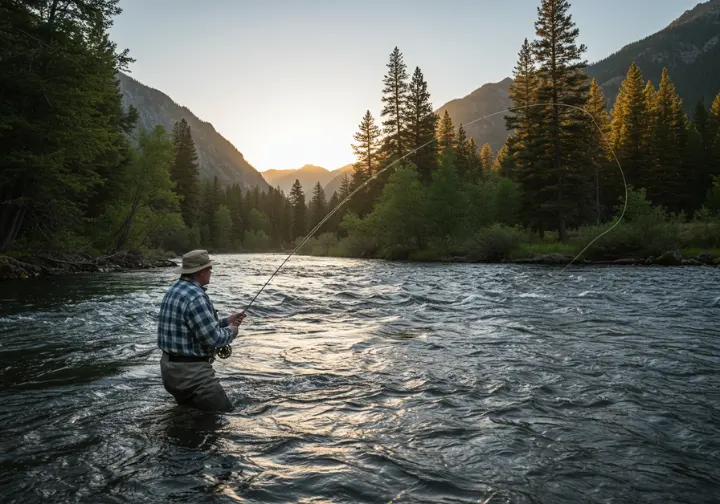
column 196, row 265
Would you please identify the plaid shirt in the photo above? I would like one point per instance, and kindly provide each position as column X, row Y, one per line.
column 189, row 324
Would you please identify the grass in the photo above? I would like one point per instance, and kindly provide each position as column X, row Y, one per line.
column 528, row 250
column 693, row 252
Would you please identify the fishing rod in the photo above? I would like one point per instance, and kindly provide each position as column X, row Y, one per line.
column 226, row 351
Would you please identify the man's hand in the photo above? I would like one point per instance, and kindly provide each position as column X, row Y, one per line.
column 236, row 319
column 234, row 330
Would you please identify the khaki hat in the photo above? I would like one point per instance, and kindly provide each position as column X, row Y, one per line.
column 194, row 261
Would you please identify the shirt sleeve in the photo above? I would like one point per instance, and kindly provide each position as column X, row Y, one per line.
column 224, row 322
column 202, row 321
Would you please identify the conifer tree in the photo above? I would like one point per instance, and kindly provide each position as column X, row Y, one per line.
column 519, row 151
column 318, row 205
column 664, row 182
column 345, row 187
column 184, row 172
column 299, row 210
column 421, row 124
column 504, row 164
column 605, row 176
column 462, row 154
column 395, row 94
column 366, row 150
column 475, row 168
column 629, row 126
column 446, row 134
column 561, row 153
column 487, row 158
column 523, row 93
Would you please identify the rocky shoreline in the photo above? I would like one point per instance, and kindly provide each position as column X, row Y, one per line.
column 42, row 265
column 45, row 266
column 670, row 258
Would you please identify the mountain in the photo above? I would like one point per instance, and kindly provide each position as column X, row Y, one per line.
column 216, row 155
column 689, row 47
column 488, row 99
column 308, row 175
column 336, row 182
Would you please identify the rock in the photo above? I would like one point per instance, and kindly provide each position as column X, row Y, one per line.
column 670, row 258
column 705, row 257
column 717, row 261
column 627, row 262
column 692, row 262
column 649, row 261
column 551, row 259
column 12, row 269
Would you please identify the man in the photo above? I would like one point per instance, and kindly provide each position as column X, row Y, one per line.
column 188, row 333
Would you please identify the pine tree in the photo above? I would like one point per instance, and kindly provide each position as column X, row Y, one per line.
column 665, row 183
column 520, row 148
column 345, row 187
column 62, row 149
column 446, row 134
column 366, row 150
column 184, row 172
column 487, row 158
column 523, row 93
column 421, row 123
column 299, row 210
column 629, row 127
column 394, row 100
column 475, row 168
column 462, row 154
column 318, row 205
column 561, row 154
column 504, row 162
column 605, row 175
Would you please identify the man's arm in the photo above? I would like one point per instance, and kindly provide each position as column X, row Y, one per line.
column 201, row 320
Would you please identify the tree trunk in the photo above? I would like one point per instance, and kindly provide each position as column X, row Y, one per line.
column 10, row 224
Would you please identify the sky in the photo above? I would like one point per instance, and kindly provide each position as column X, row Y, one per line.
column 287, row 82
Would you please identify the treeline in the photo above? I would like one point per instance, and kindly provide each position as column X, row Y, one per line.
column 557, row 172
column 76, row 176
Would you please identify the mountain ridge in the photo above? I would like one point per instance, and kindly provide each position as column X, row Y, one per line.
column 217, row 156
column 689, row 47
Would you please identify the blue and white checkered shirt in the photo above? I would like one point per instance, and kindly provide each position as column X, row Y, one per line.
column 189, row 324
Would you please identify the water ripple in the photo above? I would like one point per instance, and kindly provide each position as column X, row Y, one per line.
column 368, row 381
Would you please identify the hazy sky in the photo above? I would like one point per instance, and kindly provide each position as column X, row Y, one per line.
column 287, row 82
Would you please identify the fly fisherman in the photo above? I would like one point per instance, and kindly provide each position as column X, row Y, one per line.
column 188, row 333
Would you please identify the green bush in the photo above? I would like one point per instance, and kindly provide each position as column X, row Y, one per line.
column 495, row 243
column 646, row 230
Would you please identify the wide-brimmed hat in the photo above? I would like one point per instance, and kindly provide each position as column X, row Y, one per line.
column 194, row 261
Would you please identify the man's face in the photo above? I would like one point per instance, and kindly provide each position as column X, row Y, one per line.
column 204, row 276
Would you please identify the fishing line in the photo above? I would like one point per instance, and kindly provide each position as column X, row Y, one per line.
column 225, row 350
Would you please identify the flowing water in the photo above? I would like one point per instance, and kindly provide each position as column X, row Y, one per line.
column 367, row 381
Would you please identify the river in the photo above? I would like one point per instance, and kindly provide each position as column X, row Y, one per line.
column 370, row 381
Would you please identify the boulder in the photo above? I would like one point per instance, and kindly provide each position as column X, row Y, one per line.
column 692, row 262
column 649, row 261
column 705, row 257
column 670, row 258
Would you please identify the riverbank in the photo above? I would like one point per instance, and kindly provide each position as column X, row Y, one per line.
column 12, row 268
column 44, row 265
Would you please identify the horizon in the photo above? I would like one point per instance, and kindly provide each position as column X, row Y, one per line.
column 280, row 122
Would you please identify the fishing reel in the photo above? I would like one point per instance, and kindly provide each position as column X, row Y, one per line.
column 223, row 352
